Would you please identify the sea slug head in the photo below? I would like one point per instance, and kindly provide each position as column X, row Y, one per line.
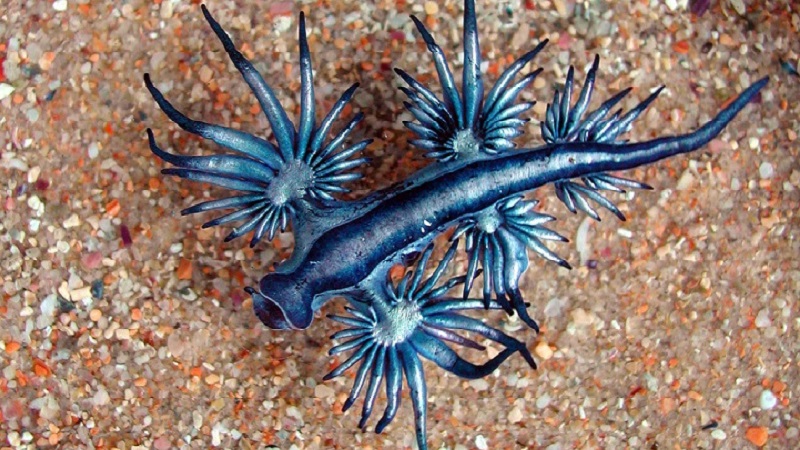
column 281, row 303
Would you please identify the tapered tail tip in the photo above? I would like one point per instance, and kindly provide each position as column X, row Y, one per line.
column 751, row 92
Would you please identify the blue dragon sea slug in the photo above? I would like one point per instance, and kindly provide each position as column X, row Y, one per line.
column 473, row 191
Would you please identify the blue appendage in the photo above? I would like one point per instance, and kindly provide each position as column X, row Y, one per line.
column 467, row 126
column 566, row 124
column 497, row 238
column 387, row 330
column 277, row 182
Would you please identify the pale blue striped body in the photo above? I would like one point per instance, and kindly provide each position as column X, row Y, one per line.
column 475, row 188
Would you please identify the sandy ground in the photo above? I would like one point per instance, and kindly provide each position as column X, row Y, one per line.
column 123, row 325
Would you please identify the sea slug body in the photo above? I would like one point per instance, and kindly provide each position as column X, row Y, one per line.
column 473, row 191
